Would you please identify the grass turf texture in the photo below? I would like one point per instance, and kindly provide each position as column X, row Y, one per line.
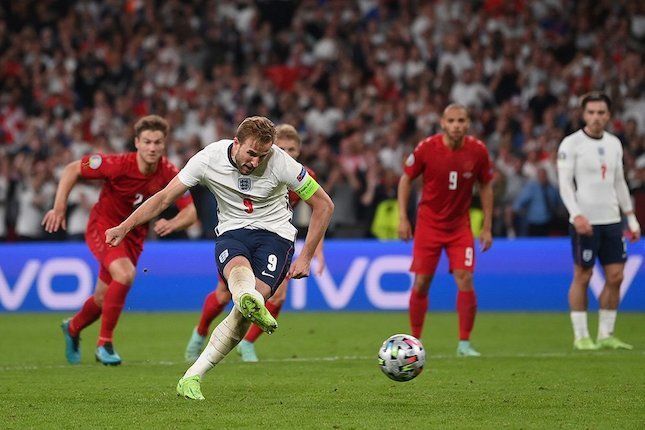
column 320, row 371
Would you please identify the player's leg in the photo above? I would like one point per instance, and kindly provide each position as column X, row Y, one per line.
column 584, row 255
column 246, row 347
column 228, row 333
column 122, row 271
column 90, row 312
column 612, row 255
column 461, row 254
column 214, row 303
column 425, row 258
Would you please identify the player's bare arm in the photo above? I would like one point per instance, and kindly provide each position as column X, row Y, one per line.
column 55, row 218
column 486, row 196
column 403, row 193
column 322, row 208
column 147, row 211
column 184, row 219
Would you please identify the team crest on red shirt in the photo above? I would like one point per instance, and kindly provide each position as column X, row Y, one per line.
column 95, row 161
column 244, row 184
column 410, row 160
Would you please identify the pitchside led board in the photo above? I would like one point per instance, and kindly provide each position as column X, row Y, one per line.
column 519, row 275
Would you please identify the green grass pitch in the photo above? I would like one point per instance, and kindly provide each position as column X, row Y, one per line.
column 319, row 371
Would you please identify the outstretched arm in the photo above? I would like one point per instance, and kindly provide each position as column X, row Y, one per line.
column 55, row 218
column 147, row 211
column 322, row 209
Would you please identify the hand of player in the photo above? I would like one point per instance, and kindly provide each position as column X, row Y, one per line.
column 405, row 230
column 486, row 240
column 163, row 227
column 320, row 260
column 582, row 225
column 634, row 228
column 114, row 235
column 53, row 220
column 300, row 268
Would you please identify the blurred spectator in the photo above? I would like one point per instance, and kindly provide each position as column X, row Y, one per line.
column 539, row 200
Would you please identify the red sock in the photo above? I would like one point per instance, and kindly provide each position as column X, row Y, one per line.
column 255, row 331
column 89, row 313
column 466, row 309
column 211, row 309
column 418, row 309
column 112, row 307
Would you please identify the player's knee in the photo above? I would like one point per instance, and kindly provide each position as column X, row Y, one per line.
column 464, row 280
column 421, row 284
column 124, row 275
column 614, row 279
column 582, row 274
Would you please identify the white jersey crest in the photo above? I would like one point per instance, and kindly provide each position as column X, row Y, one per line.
column 256, row 201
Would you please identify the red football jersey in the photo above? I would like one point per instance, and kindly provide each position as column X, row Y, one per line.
column 125, row 187
column 294, row 198
column 448, row 179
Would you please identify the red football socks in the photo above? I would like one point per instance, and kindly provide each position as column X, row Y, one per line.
column 89, row 313
column 112, row 307
column 211, row 309
column 418, row 309
column 255, row 331
column 466, row 309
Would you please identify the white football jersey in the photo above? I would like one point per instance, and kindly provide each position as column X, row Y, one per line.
column 256, row 201
column 596, row 165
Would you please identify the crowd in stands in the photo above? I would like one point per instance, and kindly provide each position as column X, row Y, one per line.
column 363, row 81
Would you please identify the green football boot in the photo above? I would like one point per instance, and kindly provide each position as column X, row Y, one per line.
column 190, row 388
column 254, row 310
column 465, row 349
column 194, row 347
column 613, row 342
column 584, row 344
column 247, row 350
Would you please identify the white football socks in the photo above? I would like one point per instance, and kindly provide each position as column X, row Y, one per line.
column 241, row 280
column 606, row 323
column 224, row 338
column 579, row 322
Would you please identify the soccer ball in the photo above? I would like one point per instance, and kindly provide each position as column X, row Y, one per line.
column 401, row 357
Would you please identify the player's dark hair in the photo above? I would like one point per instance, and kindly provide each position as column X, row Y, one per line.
column 595, row 96
column 288, row 132
column 259, row 128
column 152, row 123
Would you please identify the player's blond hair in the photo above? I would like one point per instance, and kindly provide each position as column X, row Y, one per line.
column 258, row 128
column 287, row 132
column 152, row 123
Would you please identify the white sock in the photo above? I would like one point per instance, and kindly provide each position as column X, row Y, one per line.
column 579, row 322
column 606, row 323
column 224, row 338
column 241, row 280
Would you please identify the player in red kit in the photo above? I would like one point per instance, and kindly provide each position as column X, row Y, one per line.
column 450, row 163
column 288, row 140
column 129, row 179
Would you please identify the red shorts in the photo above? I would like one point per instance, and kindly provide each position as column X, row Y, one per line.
column 105, row 254
column 428, row 243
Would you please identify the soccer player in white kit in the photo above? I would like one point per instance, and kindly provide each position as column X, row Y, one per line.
column 249, row 177
column 593, row 188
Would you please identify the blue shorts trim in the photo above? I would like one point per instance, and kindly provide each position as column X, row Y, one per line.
column 269, row 254
column 607, row 243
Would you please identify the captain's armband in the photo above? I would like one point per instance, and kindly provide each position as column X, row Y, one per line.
column 307, row 189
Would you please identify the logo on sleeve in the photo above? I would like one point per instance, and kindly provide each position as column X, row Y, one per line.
column 244, row 184
column 562, row 155
column 410, row 160
column 301, row 175
column 95, row 161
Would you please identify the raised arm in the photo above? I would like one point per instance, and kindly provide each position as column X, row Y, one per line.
column 147, row 211
column 55, row 218
column 403, row 197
